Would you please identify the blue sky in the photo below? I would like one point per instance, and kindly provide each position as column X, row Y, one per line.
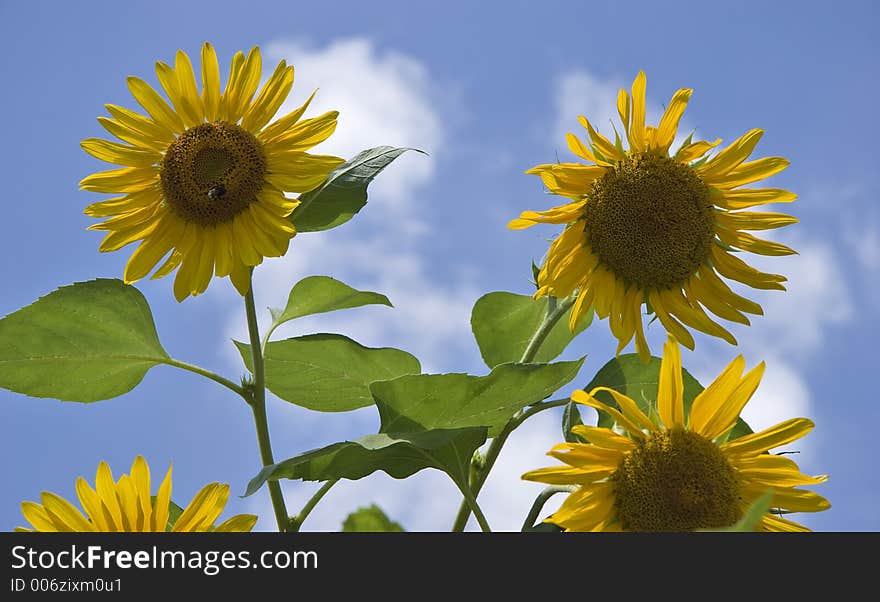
column 488, row 89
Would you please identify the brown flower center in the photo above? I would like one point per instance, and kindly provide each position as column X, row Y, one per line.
column 212, row 172
column 651, row 221
column 676, row 480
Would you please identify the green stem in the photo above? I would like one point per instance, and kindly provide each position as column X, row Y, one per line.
column 297, row 521
column 474, row 507
column 554, row 312
column 258, row 404
column 207, row 374
column 542, row 498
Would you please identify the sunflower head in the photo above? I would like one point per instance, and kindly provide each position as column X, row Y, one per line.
column 126, row 505
column 205, row 175
column 672, row 470
column 646, row 226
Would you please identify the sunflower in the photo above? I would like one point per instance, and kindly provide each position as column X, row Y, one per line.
column 126, row 505
column 677, row 471
column 205, row 177
column 654, row 227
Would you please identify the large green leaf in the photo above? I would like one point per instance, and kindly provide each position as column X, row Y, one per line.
column 503, row 323
column 398, row 454
column 344, row 193
column 370, row 519
column 628, row 375
column 321, row 294
column 84, row 342
column 328, row 372
column 432, row 401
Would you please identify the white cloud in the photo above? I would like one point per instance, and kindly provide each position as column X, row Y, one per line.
column 817, row 299
column 384, row 98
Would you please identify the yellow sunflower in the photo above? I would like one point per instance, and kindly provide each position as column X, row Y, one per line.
column 204, row 177
column 126, row 505
column 650, row 226
column 677, row 472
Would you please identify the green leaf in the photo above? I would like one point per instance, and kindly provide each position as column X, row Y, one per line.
column 344, row 193
column 84, row 342
column 752, row 517
column 571, row 417
column 628, row 375
column 370, row 520
column 321, row 294
column 438, row 401
column 503, row 323
column 398, row 454
column 328, row 372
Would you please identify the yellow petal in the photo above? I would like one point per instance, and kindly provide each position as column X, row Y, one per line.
column 603, row 437
column 304, row 134
column 280, row 126
column 129, row 502
column 732, row 156
column 64, row 513
column 148, row 128
column 162, row 505
column 671, row 325
column 132, row 136
column 628, row 407
column 566, row 475
column 91, row 503
column 670, row 390
column 791, row 499
column 771, row 522
column 776, row 471
column 158, row 109
column 753, row 244
column 186, row 85
column 562, row 214
column 140, row 478
column 623, row 107
column 126, row 179
column 106, row 488
column 270, row 98
column 637, row 127
column 631, row 427
column 668, row 126
column 719, row 289
column 240, row 523
column 743, row 198
column 736, row 269
column 775, row 436
column 749, row 172
column 150, row 252
column 711, row 399
column 600, row 142
column 695, row 150
column 37, row 516
column 210, row 82
column 728, row 410
column 691, row 314
column 120, row 154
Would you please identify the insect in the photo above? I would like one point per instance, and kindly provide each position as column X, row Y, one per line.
column 216, row 192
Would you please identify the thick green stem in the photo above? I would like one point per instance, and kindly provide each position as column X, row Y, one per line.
column 474, row 507
column 554, row 312
column 542, row 498
column 258, row 405
column 297, row 521
column 207, row 374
